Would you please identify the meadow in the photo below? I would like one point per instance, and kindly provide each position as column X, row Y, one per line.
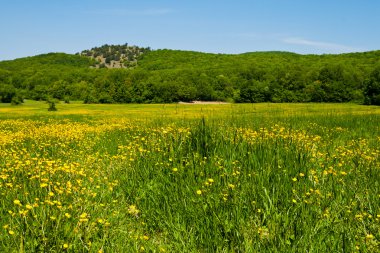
column 190, row 178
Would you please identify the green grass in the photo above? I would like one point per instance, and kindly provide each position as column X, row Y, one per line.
column 190, row 178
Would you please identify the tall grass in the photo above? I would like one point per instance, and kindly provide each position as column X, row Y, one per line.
column 226, row 178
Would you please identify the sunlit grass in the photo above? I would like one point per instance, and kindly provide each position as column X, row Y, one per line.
column 190, row 178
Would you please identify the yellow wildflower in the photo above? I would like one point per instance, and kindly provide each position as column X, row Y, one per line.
column 133, row 210
column 83, row 217
column 17, row 202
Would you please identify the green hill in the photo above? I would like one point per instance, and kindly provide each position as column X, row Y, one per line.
column 46, row 61
column 141, row 75
column 174, row 59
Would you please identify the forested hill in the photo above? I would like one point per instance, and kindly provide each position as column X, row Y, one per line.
column 45, row 61
column 164, row 76
column 174, row 59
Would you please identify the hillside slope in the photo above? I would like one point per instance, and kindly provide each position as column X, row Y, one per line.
column 160, row 76
column 176, row 59
column 47, row 61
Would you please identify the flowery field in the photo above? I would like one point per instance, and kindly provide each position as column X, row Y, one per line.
column 186, row 178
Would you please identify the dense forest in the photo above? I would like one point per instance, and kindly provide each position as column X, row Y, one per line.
column 166, row 76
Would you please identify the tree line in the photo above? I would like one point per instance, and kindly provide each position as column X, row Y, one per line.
column 167, row 76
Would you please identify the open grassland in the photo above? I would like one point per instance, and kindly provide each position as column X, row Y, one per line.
column 190, row 178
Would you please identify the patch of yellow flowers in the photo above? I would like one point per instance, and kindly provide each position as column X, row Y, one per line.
column 51, row 177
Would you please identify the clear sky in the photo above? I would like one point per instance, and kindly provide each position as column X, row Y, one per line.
column 30, row 27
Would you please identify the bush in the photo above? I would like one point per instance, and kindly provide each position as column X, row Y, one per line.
column 51, row 102
column 17, row 100
column 7, row 92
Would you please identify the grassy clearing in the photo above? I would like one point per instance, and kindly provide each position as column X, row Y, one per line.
column 190, row 178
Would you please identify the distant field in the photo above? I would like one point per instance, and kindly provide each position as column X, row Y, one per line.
column 190, row 178
column 185, row 111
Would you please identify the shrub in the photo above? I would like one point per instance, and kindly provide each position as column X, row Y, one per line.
column 17, row 100
column 51, row 102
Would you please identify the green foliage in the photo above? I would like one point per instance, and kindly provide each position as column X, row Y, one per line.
column 167, row 76
column 7, row 92
column 17, row 100
column 201, row 139
column 66, row 99
column 105, row 98
column 51, row 102
column 372, row 88
column 46, row 61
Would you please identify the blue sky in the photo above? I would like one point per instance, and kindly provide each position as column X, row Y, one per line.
column 31, row 27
